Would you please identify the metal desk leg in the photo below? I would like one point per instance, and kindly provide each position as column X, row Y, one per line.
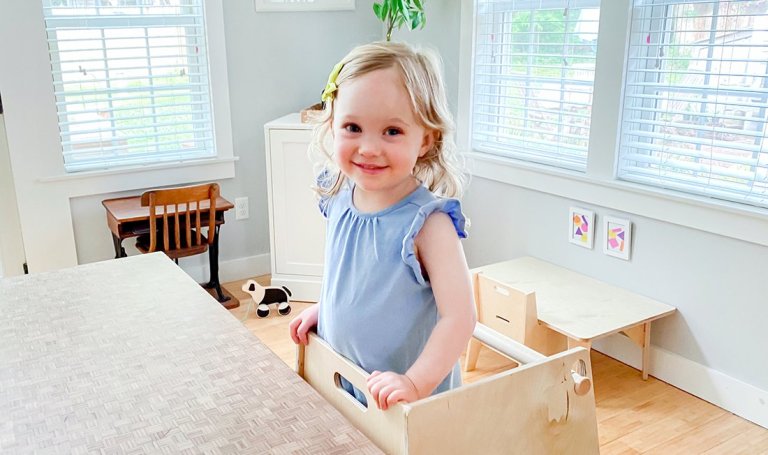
column 213, row 262
column 118, row 244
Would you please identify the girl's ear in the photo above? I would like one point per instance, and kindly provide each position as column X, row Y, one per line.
column 427, row 143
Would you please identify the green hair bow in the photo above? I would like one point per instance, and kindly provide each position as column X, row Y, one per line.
column 331, row 87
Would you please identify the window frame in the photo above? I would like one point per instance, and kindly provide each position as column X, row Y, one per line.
column 218, row 167
column 599, row 187
column 557, row 152
column 688, row 177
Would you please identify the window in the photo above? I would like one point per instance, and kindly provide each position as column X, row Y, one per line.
column 533, row 72
column 131, row 81
column 696, row 99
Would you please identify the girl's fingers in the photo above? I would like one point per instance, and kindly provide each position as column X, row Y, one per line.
column 298, row 329
column 395, row 397
column 292, row 328
column 380, row 392
column 304, row 331
column 301, row 332
column 381, row 398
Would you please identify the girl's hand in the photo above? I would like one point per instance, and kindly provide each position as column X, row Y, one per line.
column 303, row 323
column 389, row 388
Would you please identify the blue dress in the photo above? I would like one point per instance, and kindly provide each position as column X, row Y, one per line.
column 377, row 308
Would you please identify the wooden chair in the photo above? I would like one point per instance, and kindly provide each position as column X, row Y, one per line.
column 512, row 313
column 183, row 214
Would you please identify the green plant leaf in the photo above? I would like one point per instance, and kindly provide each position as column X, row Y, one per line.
column 386, row 8
column 415, row 21
column 405, row 9
column 396, row 13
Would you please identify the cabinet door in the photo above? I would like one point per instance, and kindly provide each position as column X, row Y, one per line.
column 298, row 227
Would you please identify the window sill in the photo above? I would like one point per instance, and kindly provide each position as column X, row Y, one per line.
column 733, row 220
column 141, row 177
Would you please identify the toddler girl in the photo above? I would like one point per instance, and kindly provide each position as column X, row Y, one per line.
column 396, row 296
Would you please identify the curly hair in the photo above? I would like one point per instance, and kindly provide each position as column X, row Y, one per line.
column 440, row 169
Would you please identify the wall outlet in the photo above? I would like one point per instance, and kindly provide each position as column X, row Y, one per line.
column 241, row 208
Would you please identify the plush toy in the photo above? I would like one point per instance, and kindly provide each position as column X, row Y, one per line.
column 263, row 297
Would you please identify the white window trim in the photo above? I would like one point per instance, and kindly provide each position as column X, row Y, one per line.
column 598, row 187
column 152, row 176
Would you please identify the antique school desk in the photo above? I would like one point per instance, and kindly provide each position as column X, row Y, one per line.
column 579, row 307
column 127, row 218
column 133, row 356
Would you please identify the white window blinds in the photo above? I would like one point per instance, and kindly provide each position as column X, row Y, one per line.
column 131, row 81
column 533, row 73
column 696, row 99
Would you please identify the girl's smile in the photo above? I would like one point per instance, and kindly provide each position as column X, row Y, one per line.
column 370, row 168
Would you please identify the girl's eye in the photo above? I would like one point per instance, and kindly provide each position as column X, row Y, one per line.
column 352, row 128
column 393, row 131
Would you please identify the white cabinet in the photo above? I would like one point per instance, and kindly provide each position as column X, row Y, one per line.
column 296, row 226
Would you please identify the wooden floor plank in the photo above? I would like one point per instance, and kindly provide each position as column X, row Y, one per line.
column 706, row 437
column 634, row 416
column 753, row 441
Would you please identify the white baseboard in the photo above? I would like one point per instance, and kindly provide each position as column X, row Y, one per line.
column 724, row 391
column 303, row 288
column 236, row 269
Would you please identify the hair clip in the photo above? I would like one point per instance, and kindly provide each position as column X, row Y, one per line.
column 331, row 87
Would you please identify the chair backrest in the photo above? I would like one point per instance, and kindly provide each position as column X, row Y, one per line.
column 512, row 312
column 182, row 209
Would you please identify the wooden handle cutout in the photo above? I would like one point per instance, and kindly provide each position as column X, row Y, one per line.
column 337, row 377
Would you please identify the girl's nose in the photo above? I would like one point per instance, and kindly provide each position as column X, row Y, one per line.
column 369, row 147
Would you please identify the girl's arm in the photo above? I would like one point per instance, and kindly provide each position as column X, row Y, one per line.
column 442, row 257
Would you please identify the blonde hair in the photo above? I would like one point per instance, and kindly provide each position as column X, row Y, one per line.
column 439, row 169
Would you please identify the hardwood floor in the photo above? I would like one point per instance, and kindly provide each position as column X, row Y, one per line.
column 633, row 416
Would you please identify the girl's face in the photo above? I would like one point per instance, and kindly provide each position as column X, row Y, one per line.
column 377, row 138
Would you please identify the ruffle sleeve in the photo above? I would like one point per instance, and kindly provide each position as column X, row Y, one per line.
column 452, row 207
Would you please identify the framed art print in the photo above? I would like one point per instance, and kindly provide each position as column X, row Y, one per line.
column 617, row 237
column 581, row 227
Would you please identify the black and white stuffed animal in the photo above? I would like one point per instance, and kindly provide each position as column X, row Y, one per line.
column 263, row 297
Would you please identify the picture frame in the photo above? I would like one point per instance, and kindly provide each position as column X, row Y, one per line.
column 617, row 237
column 303, row 5
column 581, row 227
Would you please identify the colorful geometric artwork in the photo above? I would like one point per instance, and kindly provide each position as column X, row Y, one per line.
column 617, row 237
column 581, row 227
